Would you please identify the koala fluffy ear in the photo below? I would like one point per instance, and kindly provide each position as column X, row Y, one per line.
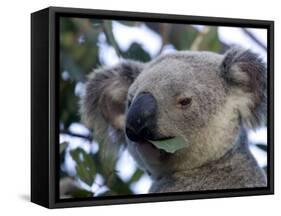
column 246, row 77
column 104, row 103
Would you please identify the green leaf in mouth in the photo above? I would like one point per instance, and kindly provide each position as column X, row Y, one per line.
column 171, row 145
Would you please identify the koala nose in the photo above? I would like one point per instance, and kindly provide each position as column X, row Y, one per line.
column 141, row 117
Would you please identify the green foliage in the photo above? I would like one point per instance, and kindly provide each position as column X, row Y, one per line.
column 118, row 186
column 182, row 36
column 136, row 52
column 68, row 103
column 85, row 166
column 136, row 176
column 79, row 55
column 79, row 52
column 80, row 193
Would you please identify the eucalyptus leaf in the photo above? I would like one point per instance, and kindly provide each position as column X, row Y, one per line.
column 171, row 145
column 63, row 146
column 85, row 165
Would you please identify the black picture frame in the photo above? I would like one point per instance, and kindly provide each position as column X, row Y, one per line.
column 45, row 106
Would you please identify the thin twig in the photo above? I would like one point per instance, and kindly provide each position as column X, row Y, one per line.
column 254, row 38
column 89, row 137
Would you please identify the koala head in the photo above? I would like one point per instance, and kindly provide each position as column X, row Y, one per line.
column 203, row 97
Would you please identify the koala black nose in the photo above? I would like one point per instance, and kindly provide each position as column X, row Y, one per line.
column 141, row 118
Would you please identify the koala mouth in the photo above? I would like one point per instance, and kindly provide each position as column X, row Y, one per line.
column 148, row 144
column 145, row 140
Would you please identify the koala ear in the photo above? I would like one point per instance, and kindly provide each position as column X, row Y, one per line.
column 246, row 78
column 104, row 103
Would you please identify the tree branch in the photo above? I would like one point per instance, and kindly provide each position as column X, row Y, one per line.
column 164, row 30
column 199, row 38
column 107, row 29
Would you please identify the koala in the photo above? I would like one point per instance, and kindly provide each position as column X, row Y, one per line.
column 209, row 99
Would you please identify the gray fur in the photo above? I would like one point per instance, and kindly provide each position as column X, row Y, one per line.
column 236, row 169
column 228, row 93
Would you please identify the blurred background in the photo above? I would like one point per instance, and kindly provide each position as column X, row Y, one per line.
column 86, row 44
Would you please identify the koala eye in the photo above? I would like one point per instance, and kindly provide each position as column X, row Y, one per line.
column 184, row 102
